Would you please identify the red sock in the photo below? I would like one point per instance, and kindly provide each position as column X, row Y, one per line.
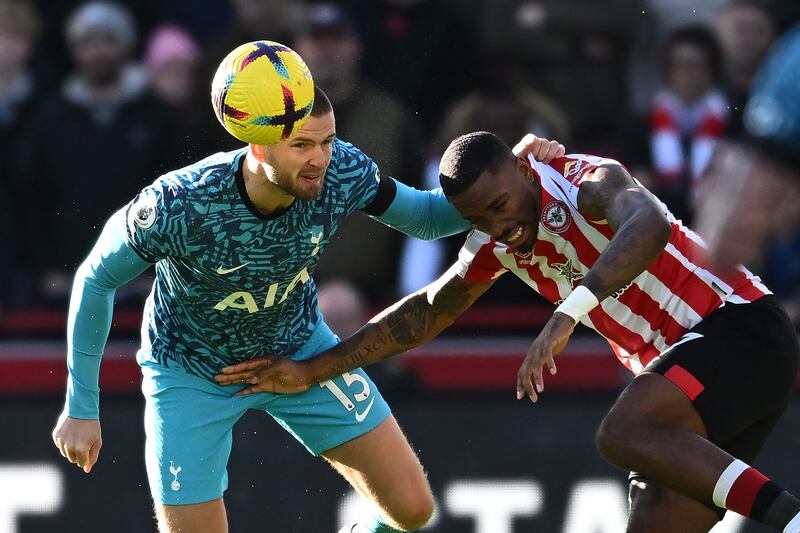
column 750, row 493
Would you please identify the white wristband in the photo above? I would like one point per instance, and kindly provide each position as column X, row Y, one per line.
column 577, row 304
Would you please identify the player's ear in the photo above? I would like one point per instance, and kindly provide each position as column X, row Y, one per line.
column 259, row 152
column 523, row 168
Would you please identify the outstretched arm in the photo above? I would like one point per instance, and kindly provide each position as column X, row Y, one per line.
column 427, row 214
column 409, row 323
column 641, row 231
column 412, row 321
column 422, row 214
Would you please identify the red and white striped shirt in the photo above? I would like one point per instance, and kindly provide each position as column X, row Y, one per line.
column 641, row 320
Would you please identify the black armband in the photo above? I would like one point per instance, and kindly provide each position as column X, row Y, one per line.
column 387, row 190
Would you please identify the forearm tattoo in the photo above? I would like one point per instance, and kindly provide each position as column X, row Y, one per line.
column 416, row 318
column 409, row 324
column 353, row 352
column 411, row 321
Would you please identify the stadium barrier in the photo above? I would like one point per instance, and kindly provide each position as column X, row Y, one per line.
column 496, row 465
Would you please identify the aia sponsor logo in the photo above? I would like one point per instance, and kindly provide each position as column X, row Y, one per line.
column 555, row 217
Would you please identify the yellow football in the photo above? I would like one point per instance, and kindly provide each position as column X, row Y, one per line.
column 262, row 92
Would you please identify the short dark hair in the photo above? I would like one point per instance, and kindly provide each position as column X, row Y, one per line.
column 322, row 105
column 699, row 36
column 468, row 157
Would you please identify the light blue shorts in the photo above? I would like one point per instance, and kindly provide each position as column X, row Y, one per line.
column 189, row 422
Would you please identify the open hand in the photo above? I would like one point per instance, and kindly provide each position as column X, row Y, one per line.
column 267, row 374
column 548, row 344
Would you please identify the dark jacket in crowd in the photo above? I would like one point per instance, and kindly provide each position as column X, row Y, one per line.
column 81, row 162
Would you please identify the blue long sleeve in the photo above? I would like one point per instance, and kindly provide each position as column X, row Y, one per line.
column 422, row 214
column 111, row 264
column 772, row 116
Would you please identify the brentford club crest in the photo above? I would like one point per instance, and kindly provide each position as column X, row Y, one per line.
column 556, row 217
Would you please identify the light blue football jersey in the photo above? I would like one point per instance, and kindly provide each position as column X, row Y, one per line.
column 232, row 284
column 772, row 115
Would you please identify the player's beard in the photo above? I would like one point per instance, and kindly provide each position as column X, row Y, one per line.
column 296, row 186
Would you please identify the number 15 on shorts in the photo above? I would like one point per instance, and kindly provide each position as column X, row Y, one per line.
column 353, row 381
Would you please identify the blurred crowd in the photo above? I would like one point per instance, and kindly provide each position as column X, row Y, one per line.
column 97, row 99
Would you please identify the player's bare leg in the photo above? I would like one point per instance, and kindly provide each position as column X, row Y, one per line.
column 206, row 517
column 654, row 429
column 381, row 466
column 658, row 509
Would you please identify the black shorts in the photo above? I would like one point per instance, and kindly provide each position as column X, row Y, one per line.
column 739, row 367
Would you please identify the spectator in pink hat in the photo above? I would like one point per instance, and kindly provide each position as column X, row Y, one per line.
column 171, row 62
